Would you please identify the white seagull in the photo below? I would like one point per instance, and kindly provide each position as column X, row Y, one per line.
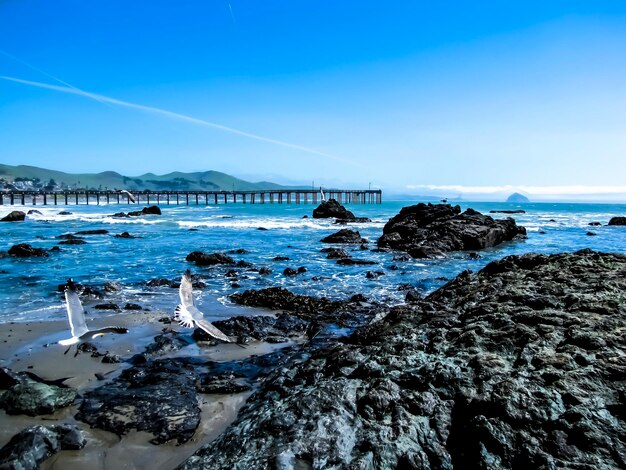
column 187, row 313
column 76, row 317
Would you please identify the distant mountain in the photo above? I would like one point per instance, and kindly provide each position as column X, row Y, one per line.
column 31, row 177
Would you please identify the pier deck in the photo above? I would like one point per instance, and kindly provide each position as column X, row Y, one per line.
column 296, row 196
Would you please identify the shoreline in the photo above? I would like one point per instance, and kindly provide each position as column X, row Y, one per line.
column 31, row 347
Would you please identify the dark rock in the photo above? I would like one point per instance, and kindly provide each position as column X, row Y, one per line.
column 15, row 216
column 617, row 221
column 374, row 274
column 332, row 209
column 344, row 236
column 93, row 232
column 55, row 248
column 356, row 220
column 505, row 211
column 344, row 313
column 33, row 445
column 335, row 253
column 112, row 286
column 431, row 230
column 222, row 383
column 412, row 295
column 69, row 236
column 130, row 306
column 120, row 215
column 210, row 259
column 591, row 234
column 260, row 327
column 243, row 264
column 142, row 398
column 301, row 270
column 33, row 398
column 152, row 210
column 125, row 235
column 24, row 250
column 73, row 241
column 65, row 213
column 290, row 272
column 473, row 255
column 280, row 258
column 355, row 262
column 159, row 282
column 33, row 211
column 518, row 366
column 109, row 358
column 231, row 273
column 595, row 224
column 107, row 306
column 264, row 271
column 261, row 228
column 239, row 251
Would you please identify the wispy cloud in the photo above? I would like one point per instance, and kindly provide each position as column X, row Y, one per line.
column 531, row 190
column 177, row 116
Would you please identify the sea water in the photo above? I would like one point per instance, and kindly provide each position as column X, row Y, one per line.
column 30, row 285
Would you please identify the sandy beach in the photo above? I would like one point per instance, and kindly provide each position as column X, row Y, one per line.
column 32, row 347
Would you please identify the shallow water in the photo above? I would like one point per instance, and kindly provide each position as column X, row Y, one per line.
column 30, row 285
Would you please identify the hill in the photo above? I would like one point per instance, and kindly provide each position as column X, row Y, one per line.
column 31, row 177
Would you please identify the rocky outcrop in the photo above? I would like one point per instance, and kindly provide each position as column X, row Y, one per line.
column 152, row 210
column 209, row 259
column 32, row 446
column 22, row 393
column 142, row 398
column 24, row 250
column 15, row 216
column 344, row 236
column 617, row 221
column 332, row 209
column 518, row 366
column 431, row 230
column 351, row 312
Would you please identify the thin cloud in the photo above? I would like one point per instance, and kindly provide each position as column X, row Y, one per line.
column 533, row 190
column 177, row 116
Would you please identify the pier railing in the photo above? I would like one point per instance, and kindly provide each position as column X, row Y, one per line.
column 294, row 196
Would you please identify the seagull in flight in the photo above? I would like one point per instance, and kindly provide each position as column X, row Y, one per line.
column 187, row 313
column 76, row 317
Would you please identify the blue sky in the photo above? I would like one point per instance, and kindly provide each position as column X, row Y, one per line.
column 397, row 94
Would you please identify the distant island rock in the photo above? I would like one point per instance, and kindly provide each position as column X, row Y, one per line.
column 517, row 197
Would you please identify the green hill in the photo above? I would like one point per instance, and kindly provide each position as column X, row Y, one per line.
column 26, row 177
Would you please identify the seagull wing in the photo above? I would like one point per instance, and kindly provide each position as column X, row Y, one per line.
column 186, row 290
column 75, row 313
column 206, row 325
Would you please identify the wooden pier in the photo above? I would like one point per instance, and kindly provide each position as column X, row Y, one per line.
column 295, row 196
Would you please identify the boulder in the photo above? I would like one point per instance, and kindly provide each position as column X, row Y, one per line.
column 210, row 259
column 344, row 236
column 33, row 398
column 142, row 398
column 332, row 209
column 33, row 212
column 520, row 365
column 24, row 250
column 125, row 235
column 15, row 216
column 335, row 253
column 93, row 232
column 152, row 210
column 617, row 221
column 431, row 230
column 33, row 445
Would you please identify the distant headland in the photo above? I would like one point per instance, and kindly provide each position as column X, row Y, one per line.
column 28, row 178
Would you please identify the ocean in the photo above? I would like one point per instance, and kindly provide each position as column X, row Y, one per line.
column 265, row 231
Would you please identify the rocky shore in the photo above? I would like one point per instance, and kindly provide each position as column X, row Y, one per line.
column 520, row 365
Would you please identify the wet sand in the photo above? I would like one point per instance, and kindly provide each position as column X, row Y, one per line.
column 32, row 347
